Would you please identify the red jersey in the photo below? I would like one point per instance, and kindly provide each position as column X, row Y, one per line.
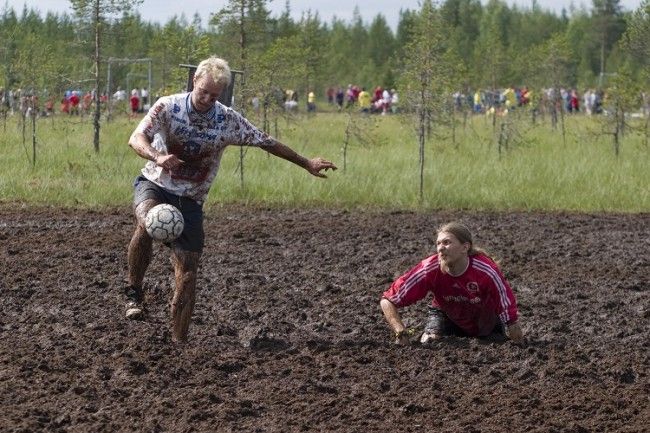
column 472, row 300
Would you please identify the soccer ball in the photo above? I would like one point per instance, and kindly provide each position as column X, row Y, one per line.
column 164, row 222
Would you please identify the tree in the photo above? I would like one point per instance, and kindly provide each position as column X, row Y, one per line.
column 637, row 37
column 463, row 18
column 242, row 25
column 312, row 41
column 9, row 47
column 405, row 28
column 96, row 13
column 337, row 49
column 551, row 65
column 637, row 43
column 381, row 49
column 490, row 53
column 493, row 40
column 164, row 49
column 609, row 26
column 276, row 69
column 426, row 77
column 623, row 96
column 246, row 19
column 582, row 44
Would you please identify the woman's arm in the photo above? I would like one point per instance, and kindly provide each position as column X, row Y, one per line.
column 394, row 321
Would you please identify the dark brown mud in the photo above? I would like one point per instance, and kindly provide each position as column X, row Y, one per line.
column 287, row 334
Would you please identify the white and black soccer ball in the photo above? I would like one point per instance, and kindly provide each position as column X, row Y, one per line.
column 164, row 222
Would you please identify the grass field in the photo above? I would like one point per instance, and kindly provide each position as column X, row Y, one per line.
column 465, row 169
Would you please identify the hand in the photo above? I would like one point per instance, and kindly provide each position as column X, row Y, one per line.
column 514, row 332
column 402, row 338
column 315, row 165
column 168, row 162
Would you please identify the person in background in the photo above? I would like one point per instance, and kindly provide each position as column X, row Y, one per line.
column 144, row 98
column 330, row 92
column 340, row 97
column 134, row 102
column 311, row 102
column 74, row 103
column 86, row 103
column 386, row 98
column 471, row 297
column 364, row 101
column 394, row 101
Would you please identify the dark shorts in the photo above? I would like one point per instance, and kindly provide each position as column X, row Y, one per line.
column 192, row 237
column 439, row 323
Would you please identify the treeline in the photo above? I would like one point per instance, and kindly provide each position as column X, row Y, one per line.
column 494, row 45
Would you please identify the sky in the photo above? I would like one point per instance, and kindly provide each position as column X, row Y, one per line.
column 162, row 10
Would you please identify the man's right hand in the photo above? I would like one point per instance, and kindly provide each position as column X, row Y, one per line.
column 168, row 162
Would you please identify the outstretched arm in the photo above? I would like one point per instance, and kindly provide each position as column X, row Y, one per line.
column 314, row 165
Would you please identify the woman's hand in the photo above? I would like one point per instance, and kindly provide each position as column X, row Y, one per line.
column 514, row 333
column 402, row 338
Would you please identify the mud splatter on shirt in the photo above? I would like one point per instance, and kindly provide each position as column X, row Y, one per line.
column 199, row 139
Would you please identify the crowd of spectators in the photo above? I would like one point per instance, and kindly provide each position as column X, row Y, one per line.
column 73, row 102
column 380, row 100
column 502, row 101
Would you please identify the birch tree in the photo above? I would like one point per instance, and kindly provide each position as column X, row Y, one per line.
column 97, row 13
column 425, row 83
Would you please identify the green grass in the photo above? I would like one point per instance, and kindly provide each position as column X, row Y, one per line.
column 536, row 172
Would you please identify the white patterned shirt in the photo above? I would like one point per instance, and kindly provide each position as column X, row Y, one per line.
column 174, row 127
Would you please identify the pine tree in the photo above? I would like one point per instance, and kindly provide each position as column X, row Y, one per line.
column 97, row 12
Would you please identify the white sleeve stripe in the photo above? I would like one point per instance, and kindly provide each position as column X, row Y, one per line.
column 414, row 279
column 503, row 297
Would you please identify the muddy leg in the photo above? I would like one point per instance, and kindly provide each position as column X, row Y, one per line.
column 186, row 264
column 140, row 247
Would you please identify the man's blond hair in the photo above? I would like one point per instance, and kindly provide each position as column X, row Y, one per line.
column 216, row 68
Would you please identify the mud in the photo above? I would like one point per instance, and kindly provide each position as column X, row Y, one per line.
column 287, row 334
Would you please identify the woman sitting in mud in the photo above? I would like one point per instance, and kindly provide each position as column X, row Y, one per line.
column 471, row 297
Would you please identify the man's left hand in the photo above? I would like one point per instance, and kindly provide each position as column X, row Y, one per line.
column 316, row 165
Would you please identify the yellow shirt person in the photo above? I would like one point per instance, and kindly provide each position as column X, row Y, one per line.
column 364, row 101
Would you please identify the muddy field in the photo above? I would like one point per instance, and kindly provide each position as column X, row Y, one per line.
column 288, row 336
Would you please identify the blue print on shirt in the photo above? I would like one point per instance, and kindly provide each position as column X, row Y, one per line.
column 191, row 148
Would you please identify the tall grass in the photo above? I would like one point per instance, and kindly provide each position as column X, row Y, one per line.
column 536, row 172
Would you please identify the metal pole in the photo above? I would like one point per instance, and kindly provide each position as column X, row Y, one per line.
column 149, row 98
column 108, row 91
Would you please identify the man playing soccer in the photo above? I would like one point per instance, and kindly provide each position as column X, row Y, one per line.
column 183, row 136
column 471, row 297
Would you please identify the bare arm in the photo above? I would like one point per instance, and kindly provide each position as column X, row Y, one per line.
column 141, row 144
column 313, row 166
column 394, row 321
